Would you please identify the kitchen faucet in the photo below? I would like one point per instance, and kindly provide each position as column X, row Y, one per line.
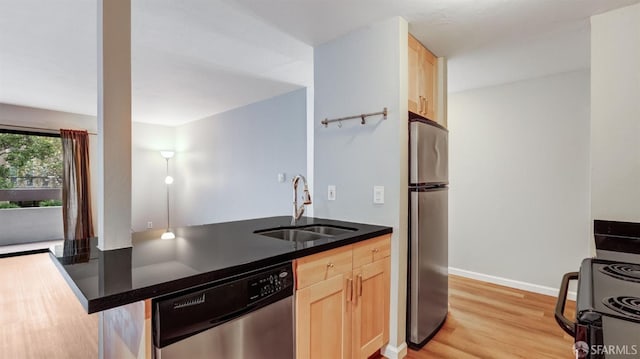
column 298, row 211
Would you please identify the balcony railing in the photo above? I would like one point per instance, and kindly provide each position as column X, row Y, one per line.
column 38, row 188
column 28, row 225
column 31, row 223
column 30, row 194
column 36, row 182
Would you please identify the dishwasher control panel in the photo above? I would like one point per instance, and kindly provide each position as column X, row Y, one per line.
column 183, row 314
column 269, row 283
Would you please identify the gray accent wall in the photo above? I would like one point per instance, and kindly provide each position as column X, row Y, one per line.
column 615, row 115
column 363, row 72
column 227, row 165
column 519, row 179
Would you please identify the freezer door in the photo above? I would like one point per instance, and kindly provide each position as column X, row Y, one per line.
column 429, row 263
column 429, row 154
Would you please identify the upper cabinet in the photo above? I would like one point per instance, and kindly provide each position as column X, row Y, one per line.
column 423, row 81
column 415, row 97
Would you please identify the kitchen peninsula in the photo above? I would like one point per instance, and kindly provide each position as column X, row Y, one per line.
column 122, row 282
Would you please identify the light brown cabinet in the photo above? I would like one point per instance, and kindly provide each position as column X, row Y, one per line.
column 371, row 310
column 423, row 80
column 343, row 313
column 322, row 319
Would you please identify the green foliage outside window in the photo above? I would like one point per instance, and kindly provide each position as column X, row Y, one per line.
column 50, row 203
column 27, row 156
column 7, row 205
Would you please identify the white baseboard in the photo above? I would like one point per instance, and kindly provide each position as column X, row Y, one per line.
column 392, row 352
column 553, row 292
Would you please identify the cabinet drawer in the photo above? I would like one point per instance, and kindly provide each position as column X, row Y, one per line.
column 371, row 250
column 318, row 267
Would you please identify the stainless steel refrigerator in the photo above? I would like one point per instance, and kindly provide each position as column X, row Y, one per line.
column 428, row 231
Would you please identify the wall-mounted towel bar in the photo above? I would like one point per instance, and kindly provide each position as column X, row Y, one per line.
column 362, row 117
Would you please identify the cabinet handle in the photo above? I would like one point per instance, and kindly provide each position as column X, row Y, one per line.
column 375, row 250
column 360, row 285
column 426, row 105
column 330, row 265
column 354, row 297
column 420, row 105
column 350, row 290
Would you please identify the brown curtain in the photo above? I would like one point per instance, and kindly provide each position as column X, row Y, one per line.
column 76, row 185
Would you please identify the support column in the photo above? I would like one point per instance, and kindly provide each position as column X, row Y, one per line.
column 114, row 124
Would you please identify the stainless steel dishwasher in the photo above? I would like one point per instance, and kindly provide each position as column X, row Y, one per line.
column 247, row 316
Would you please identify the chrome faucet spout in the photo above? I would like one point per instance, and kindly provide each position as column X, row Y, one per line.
column 298, row 211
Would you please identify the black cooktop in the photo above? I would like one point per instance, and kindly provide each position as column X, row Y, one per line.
column 609, row 288
column 624, row 271
column 625, row 305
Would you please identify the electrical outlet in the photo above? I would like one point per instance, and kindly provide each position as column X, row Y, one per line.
column 378, row 194
column 149, row 225
column 331, row 193
column 281, row 177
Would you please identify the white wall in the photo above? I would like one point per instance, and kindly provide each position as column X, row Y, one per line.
column 148, row 170
column 148, row 167
column 519, row 175
column 362, row 72
column 43, row 120
column 227, row 164
column 615, row 115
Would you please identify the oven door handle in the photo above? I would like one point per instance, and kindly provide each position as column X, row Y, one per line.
column 566, row 324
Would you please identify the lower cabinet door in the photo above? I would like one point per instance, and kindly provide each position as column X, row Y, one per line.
column 323, row 319
column 371, row 308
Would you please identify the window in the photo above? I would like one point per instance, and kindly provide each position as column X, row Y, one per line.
column 30, row 169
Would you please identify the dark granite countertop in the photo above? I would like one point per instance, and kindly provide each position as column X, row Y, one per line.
column 199, row 254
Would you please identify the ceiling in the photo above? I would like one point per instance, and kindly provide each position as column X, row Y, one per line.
column 195, row 58
column 190, row 58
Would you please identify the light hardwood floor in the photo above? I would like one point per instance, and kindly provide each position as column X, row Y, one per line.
column 491, row 321
column 39, row 315
column 41, row 318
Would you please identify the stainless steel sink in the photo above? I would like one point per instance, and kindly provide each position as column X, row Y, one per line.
column 329, row 230
column 293, row 235
column 305, row 233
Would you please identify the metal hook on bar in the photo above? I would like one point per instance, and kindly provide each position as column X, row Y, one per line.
column 363, row 121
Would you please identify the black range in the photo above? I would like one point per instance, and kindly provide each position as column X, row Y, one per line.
column 607, row 318
column 198, row 255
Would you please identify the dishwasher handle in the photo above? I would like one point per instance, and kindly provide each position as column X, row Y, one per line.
column 566, row 324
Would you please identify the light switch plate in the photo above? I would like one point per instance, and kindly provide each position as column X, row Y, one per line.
column 331, row 193
column 378, row 194
column 149, row 225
